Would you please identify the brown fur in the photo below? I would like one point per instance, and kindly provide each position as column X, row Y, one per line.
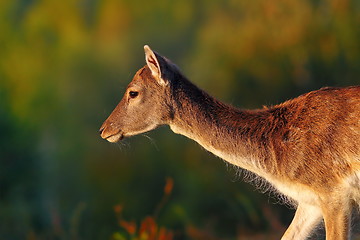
column 307, row 148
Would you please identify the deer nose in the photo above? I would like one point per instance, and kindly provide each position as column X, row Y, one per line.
column 101, row 130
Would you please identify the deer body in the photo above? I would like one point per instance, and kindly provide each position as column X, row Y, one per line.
column 307, row 148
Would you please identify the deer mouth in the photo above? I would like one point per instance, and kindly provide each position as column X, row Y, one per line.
column 111, row 137
column 115, row 138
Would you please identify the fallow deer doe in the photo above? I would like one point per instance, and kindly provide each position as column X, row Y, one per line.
column 307, row 148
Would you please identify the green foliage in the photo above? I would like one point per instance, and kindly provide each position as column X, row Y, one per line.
column 64, row 66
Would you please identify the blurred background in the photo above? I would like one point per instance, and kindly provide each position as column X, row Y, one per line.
column 64, row 66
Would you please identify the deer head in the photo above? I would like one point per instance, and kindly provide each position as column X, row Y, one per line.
column 146, row 103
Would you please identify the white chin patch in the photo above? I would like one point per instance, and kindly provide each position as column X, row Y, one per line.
column 114, row 138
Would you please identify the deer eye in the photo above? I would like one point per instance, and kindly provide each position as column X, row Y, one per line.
column 133, row 94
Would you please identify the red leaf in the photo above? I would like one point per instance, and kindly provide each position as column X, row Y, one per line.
column 169, row 185
column 130, row 227
column 149, row 226
column 118, row 208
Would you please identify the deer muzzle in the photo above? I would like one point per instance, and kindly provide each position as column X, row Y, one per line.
column 110, row 134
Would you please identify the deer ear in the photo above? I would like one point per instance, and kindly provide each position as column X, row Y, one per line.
column 152, row 60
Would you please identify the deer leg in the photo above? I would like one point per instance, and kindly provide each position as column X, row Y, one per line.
column 337, row 219
column 307, row 217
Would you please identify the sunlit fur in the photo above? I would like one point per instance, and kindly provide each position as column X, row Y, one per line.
column 307, row 148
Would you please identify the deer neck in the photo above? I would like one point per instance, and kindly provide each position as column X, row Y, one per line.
column 227, row 132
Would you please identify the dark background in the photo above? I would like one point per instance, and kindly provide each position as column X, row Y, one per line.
column 64, row 66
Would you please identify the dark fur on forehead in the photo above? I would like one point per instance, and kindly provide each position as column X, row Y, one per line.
column 170, row 73
column 145, row 73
